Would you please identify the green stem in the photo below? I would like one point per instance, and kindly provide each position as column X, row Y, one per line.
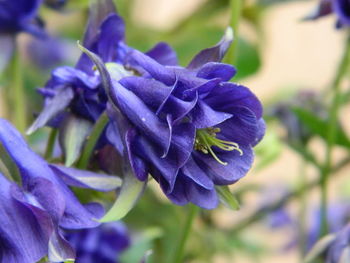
column 302, row 210
column 18, row 95
column 236, row 10
column 186, row 230
column 5, row 171
column 92, row 140
column 332, row 130
column 50, row 144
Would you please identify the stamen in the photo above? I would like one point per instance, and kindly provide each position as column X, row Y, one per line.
column 206, row 138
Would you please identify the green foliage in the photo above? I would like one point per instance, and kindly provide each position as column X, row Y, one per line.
column 227, row 198
column 319, row 127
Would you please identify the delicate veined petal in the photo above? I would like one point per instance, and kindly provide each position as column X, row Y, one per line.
column 204, row 116
column 242, row 128
column 193, row 171
column 21, row 237
column 185, row 191
column 237, row 165
column 230, row 96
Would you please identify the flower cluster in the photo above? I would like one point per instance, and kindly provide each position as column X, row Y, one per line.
column 190, row 128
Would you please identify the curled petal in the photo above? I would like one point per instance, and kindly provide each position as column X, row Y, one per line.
column 213, row 54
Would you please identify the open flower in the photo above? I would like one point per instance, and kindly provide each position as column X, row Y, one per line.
column 45, row 197
column 189, row 128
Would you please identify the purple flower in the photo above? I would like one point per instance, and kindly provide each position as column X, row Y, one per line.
column 337, row 215
column 78, row 89
column 296, row 132
column 189, row 128
column 45, row 200
column 101, row 244
column 49, row 52
column 341, row 8
column 20, row 16
column 339, row 250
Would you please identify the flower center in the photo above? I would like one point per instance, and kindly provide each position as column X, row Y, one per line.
column 206, row 138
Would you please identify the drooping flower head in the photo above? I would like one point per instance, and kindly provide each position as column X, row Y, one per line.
column 46, row 200
column 341, row 8
column 189, row 128
column 101, row 244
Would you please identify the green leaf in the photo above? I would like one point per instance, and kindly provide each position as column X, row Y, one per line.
column 142, row 248
column 227, row 198
column 319, row 126
column 130, row 192
column 269, row 149
column 248, row 59
column 72, row 137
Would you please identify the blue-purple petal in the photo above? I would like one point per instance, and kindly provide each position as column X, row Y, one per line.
column 213, row 70
column 163, row 54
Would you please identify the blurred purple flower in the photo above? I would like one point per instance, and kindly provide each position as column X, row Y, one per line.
column 17, row 16
column 339, row 250
column 48, row 52
column 338, row 214
column 341, row 8
column 46, row 200
column 101, row 244
column 20, row 16
column 189, row 128
column 296, row 132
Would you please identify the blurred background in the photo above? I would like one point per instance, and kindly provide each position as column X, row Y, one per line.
column 282, row 59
